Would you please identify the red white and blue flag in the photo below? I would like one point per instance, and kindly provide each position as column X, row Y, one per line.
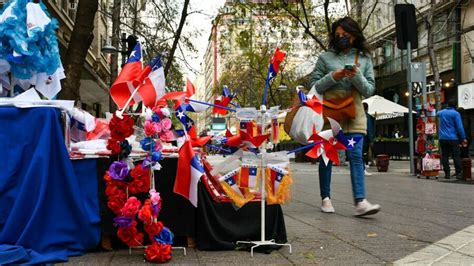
column 183, row 117
column 230, row 180
column 223, row 100
column 247, row 127
column 188, row 173
column 153, row 88
column 248, row 176
column 273, row 69
column 276, row 177
column 128, row 79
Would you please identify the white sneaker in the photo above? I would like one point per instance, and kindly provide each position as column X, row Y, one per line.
column 367, row 173
column 366, row 208
column 326, row 205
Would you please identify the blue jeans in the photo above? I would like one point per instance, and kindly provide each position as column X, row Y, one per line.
column 357, row 172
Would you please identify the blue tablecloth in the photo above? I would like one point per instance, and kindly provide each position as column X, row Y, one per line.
column 47, row 212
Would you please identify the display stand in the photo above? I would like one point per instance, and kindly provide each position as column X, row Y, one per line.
column 263, row 151
column 427, row 132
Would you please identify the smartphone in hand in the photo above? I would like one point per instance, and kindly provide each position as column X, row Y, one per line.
column 349, row 67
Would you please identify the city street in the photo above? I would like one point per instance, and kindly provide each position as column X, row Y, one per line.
column 421, row 221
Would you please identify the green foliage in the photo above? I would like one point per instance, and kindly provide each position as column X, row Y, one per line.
column 248, row 45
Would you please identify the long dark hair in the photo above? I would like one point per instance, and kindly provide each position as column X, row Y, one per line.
column 353, row 28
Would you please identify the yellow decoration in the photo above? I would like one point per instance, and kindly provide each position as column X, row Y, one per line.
column 283, row 192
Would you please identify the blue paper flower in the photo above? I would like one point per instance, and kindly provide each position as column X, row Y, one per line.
column 156, row 156
column 148, row 144
column 155, row 118
column 165, row 237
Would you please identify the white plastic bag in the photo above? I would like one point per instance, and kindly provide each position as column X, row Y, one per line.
column 303, row 124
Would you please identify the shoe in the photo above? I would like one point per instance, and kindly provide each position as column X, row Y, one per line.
column 459, row 176
column 367, row 173
column 326, row 205
column 366, row 208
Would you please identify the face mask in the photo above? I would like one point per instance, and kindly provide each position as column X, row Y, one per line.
column 343, row 43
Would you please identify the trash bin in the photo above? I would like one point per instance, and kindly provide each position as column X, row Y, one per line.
column 466, row 168
column 382, row 162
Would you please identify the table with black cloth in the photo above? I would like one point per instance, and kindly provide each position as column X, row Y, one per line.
column 47, row 212
column 213, row 225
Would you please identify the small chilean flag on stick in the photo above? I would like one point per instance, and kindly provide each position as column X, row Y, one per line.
column 128, row 79
column 153, row 88
column 273, row 68
column 188, row 173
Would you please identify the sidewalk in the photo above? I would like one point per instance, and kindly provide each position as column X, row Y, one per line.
column 417, row 216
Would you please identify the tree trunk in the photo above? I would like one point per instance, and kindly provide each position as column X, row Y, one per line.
column 117, row 7
column 81, row 39
column 358, row 18
column 431, row 53
column 177, row 36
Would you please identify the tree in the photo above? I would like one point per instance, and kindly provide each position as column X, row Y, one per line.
column 81, row 39
column 247, row 51
column 160, row 32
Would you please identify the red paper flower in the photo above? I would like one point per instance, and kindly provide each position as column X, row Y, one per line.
column 146, row 213
column 141, row 180
column 116, row 203
column 121, row 128
column 158, row 253
column 115, row 188
column 139, row 186
column 153, row 230
column 139, row 172
column 131, row 207
column 130, row 235
column 114, row 146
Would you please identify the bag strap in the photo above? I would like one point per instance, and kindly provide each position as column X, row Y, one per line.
column 356, row 60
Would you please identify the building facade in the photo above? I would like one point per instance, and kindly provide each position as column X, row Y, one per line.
column 94, row 88
column 390, row 62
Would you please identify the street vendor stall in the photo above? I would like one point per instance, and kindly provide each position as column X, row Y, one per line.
column 47, row 211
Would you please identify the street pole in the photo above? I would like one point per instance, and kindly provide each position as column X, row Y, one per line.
column 117, row 7
column 410, row 110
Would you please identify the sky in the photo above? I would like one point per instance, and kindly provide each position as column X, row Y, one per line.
column 202, row 23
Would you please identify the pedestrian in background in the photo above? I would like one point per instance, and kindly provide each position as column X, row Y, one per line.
column 368, row 139
column 333, row 78
column 451, row 136
column 466, row 123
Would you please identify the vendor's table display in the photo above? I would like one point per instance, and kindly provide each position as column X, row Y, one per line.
column 47, row 212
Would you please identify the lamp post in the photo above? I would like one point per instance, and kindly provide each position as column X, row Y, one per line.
column 112, row 50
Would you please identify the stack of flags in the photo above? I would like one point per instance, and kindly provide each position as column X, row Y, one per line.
column 150, row 81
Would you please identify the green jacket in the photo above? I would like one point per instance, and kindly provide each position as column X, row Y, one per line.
column 363, row 82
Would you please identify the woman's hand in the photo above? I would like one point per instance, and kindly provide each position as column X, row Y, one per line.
column 338, row 74
column 350, row 73
column 344, row 73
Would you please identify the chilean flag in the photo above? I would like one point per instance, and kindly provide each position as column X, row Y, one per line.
column 248, row 177
column 229, row 179
column 184, row 118
column 128, row 79
column 276, row 176
column 223, row 100
column 273, row 68
column 247, row 127
column 154, row 86
column 188, row 173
